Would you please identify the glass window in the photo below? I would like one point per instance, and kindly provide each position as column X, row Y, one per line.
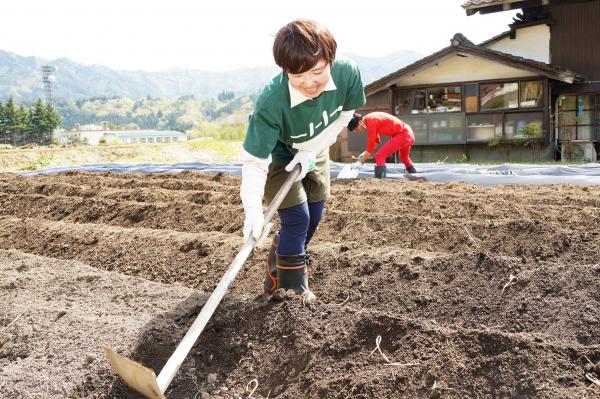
column 444, row 99
column 142, row 139
column 585, row 102
column 567, row 132
column 499, row 95
column 523, row 125
column 410, row 102
column 159, row 139
column 531, row 94
column 585, row 118
column 447, row 129
column 471, row 98
column 567, row 118
column 577, row 117
column 174, row 138
column 134, row 140
column 150, row 139
column 585, row 132
column 484, row 126
column 419, row 127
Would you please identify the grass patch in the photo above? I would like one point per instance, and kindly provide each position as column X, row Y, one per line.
column 34, row 158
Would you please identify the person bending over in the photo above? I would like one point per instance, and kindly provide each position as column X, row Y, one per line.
column 377, row 123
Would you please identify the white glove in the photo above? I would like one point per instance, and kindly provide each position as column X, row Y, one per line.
column 254, row 176
column 361, row 157
column 307, row 161
column 253, row 223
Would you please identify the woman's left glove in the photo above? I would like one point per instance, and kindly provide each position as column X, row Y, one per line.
column 307, row 161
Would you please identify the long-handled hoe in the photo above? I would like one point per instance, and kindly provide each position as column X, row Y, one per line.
column 142, row 378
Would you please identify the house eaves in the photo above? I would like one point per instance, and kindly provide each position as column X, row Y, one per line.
column 460, row 45
column 491, row 6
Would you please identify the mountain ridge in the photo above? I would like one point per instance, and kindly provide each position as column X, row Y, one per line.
column 21, row 78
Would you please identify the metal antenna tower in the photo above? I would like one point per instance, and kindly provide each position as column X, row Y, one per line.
column 49, row 80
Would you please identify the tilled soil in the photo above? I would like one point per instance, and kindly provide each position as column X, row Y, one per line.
column 470, row 292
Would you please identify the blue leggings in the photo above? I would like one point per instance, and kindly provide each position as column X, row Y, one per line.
column 298, row 224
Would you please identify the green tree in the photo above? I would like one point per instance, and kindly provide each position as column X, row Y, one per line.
column 10, row 115
column 22, row 123
column 52, row 117
column 38, row 118
column 2, row 119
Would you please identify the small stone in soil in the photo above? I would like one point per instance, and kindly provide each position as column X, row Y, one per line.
column 211, row 379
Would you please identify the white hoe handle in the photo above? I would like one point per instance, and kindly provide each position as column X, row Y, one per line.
column 170, row 368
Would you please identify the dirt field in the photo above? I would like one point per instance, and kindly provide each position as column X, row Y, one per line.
column 475, row 292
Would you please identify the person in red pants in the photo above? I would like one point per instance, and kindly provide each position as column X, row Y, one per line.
column 377, row 123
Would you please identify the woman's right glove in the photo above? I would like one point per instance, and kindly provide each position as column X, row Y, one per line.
column 254, row 222
column 254, row 177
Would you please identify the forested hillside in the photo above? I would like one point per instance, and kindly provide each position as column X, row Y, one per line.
column 184, row 113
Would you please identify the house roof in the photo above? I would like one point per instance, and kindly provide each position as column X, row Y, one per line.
column 481, row 3
column 489, row 6
column 460, row 45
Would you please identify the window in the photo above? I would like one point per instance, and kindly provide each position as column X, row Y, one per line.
column 167, row 139
column 410, row 102
column 524, row 125
column 447, row 129
column 435, row 99
column 159, row 139
column 142, row 139
column 174, row 138
column 150, row 139
column 496, row 96
column 444, row 99
column 134, row 140
column 484, row 127
column 419, row 126
column 577, row 117
column 531, row 94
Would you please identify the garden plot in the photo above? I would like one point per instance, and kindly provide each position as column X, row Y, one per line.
column 424, row 290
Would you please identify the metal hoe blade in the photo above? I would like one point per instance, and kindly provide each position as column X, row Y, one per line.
column 139, row 377
column 143, row 379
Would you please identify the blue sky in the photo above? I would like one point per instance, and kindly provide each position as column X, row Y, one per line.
column 154, row 35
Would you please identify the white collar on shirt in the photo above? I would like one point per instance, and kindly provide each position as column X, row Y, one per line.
column 296, row 97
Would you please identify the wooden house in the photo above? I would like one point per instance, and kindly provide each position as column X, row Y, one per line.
column 532, row 92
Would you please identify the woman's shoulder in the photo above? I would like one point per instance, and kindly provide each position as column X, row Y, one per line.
column 272, row 91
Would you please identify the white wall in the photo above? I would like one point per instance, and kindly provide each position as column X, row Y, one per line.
column 92, row 136
column 462, row 69
column 532, row 42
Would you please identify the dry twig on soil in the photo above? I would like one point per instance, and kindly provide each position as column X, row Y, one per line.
column 252, row 382
column 512, row 280
column 12, row 322
column 388, row 362
column 593, row 379
column 471, row 237
column 345, row 300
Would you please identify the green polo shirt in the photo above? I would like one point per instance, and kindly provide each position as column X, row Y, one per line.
column 275, row 126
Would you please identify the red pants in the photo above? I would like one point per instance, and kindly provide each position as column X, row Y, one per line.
column 397, row 143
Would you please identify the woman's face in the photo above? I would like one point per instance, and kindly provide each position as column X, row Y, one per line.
column 312, row 82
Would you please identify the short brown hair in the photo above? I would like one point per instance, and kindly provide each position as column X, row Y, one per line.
column 301, row 44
